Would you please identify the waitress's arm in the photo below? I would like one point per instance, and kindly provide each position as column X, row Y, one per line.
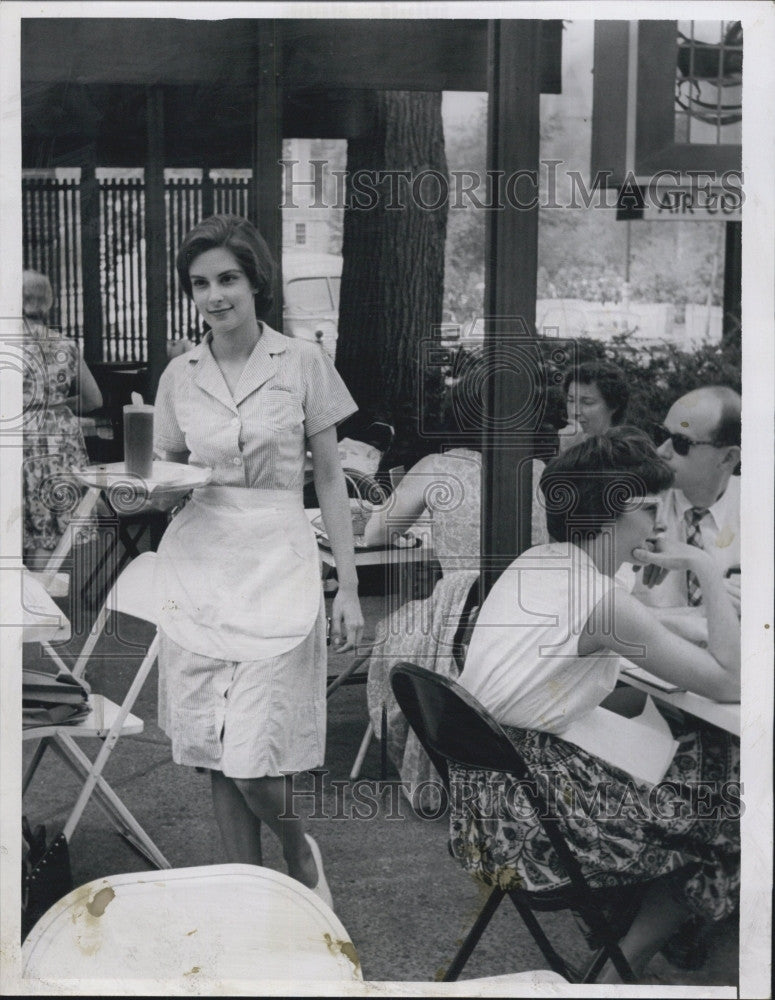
column 335, row 508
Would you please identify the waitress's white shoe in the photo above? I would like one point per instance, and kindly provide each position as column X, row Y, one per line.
column 321, row 889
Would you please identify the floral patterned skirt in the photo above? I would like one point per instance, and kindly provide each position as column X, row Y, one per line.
column 621, row 831
column 51, row 491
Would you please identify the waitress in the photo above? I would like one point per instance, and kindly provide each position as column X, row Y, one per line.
column 242, row 658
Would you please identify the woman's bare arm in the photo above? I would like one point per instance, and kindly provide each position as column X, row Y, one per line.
column 403, row 507
column 335, row 508
column 633, row 631
column 86, row 393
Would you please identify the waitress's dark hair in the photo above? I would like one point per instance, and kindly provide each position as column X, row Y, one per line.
column 243, row 240
column 590, row 485
column 610, row 381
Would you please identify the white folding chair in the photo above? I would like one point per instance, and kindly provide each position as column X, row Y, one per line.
column 50, row 577
column 55, row 582
column 132, row 594
column 191, row 928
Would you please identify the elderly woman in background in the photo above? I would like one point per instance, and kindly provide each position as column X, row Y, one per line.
column 57, row 388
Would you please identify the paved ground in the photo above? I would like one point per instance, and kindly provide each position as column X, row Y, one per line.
column 404, row 901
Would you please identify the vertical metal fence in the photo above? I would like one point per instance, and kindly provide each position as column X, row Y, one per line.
column 52, row 244
column 184, row 209
column 51, row 233
column 122, row 271
column 231, row 194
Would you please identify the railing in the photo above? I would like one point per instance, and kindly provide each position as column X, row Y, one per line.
column 184, row 209
column 122, row 271
column 51, row 231
column 51, row 209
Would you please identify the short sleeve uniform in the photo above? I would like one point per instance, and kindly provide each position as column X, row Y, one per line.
column 288, row 391
column 242, row 678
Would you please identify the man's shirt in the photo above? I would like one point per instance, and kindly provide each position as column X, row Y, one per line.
column 720, row 530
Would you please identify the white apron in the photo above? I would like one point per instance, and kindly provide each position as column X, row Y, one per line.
column 237, row 574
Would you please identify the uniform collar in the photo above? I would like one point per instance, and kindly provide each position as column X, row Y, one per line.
column 260, row 367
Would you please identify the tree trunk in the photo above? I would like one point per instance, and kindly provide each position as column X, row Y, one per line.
column 393, row 273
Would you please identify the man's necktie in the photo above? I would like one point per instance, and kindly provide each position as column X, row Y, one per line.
column 694, row 537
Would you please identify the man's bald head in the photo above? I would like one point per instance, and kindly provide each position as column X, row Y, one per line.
column 726, row 403
column 710, row 419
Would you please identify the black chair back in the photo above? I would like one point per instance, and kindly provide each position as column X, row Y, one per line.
column 451, row 724
column 454, row 728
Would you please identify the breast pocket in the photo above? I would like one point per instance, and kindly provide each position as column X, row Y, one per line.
column 282, row 410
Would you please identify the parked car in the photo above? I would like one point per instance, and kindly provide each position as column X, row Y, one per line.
column 311, row 284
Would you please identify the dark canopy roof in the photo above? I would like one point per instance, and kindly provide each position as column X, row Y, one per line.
column 84, row 80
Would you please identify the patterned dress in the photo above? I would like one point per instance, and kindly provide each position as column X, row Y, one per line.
column 53, row 442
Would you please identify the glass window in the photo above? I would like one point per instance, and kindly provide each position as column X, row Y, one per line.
column 309, row 295
column 709, row 79
column 336, row 285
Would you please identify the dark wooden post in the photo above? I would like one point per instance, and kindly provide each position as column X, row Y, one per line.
column 90, row 262
column 266, row 190
column 733, row 281
column 510, row 292
column 155, row 239
column 208, row 193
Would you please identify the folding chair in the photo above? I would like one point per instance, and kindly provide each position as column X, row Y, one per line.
column 454, row 728
column 460, row 648
column 132, row 594
column 193, row 929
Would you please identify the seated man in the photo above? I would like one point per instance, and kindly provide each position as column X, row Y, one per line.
column 700, row 441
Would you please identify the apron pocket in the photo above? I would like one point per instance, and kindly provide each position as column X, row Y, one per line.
column 197, row 738
column 298, row 534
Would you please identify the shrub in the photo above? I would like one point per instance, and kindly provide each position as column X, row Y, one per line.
column 657, row 375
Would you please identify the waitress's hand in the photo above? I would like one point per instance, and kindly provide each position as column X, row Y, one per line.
column 346, row 620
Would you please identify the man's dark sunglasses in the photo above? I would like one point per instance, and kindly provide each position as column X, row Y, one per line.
column 681, row 443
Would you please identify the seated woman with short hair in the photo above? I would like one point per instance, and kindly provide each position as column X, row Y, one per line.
column 545, row 654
